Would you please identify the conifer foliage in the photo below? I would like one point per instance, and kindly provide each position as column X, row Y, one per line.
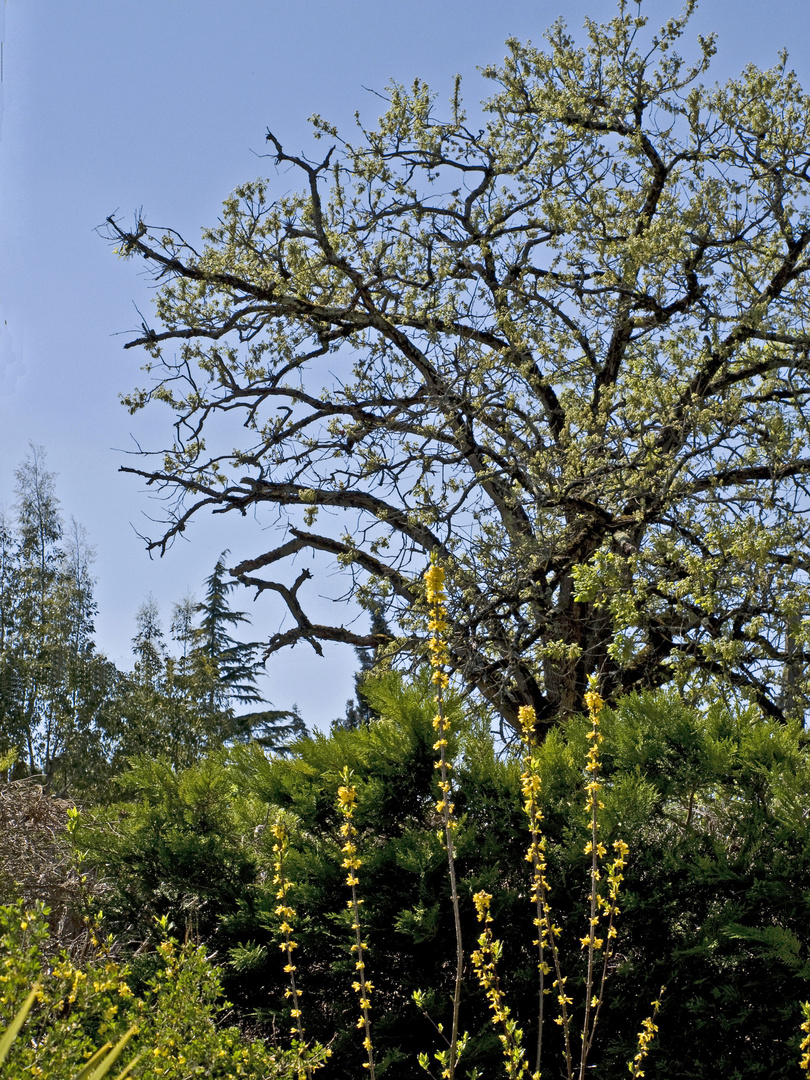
column 233, row 668
column 183, row 702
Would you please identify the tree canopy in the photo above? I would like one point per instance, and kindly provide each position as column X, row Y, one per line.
column 564, row 351
column 68, row 714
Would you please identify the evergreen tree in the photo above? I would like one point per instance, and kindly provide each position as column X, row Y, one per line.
column 157, row 712
column 232, row 669
column 235, row 667
column 182, row 626
column 7, row 563
column 148, row 645
column 182, row 706
column 90, row 679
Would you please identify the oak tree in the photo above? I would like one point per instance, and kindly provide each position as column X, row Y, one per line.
column 564, row 351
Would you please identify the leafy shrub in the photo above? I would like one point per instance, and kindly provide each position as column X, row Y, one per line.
column 77, row 1009
column 715, row 904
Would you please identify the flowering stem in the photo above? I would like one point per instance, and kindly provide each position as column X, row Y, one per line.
column 646, row 1036
column 601, row 908
column 546, row 930
column 287, row 913
column 536, row 855
column 347, row 798
column 594, row 848
column 438, row 626
column 485, row 960
column 610, row 910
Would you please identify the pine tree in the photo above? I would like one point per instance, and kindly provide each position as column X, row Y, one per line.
column 234, row 665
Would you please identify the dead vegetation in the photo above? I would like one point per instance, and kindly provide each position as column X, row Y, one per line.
column 37, row 864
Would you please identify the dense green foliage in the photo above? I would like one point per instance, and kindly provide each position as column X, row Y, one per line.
column 54, row 686
column 78, row 1009
column 715, row 906
column 182, row 846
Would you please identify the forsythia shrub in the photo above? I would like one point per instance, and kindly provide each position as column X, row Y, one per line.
column 78, row 1009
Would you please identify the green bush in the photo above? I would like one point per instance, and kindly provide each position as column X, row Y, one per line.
column 715, row 899
column 181, row 846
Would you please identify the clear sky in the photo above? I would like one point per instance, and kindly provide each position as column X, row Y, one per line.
column 163, row 104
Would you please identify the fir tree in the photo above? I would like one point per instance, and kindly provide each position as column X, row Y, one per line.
column 233, row 668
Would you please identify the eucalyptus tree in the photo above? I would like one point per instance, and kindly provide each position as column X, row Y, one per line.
column 54, row 686
column 565, row 353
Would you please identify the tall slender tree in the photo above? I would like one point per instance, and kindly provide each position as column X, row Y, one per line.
column 54, row 686
column 8, row 676
column 42, row 597
column 148, row 644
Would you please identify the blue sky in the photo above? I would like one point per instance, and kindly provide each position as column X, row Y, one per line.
column 163, row 104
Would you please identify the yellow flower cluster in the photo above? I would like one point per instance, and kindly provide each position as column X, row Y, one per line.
column 645, row 1038
column 603, row 897
column 347, row 804
column 286, row 914
column 536, row 855
column 804, row 1063
column 484, row 960
column 602, row 906
column 347, row 798
column 547, row 930
column 437, row 624
column 595, row 705
column 439, row 657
